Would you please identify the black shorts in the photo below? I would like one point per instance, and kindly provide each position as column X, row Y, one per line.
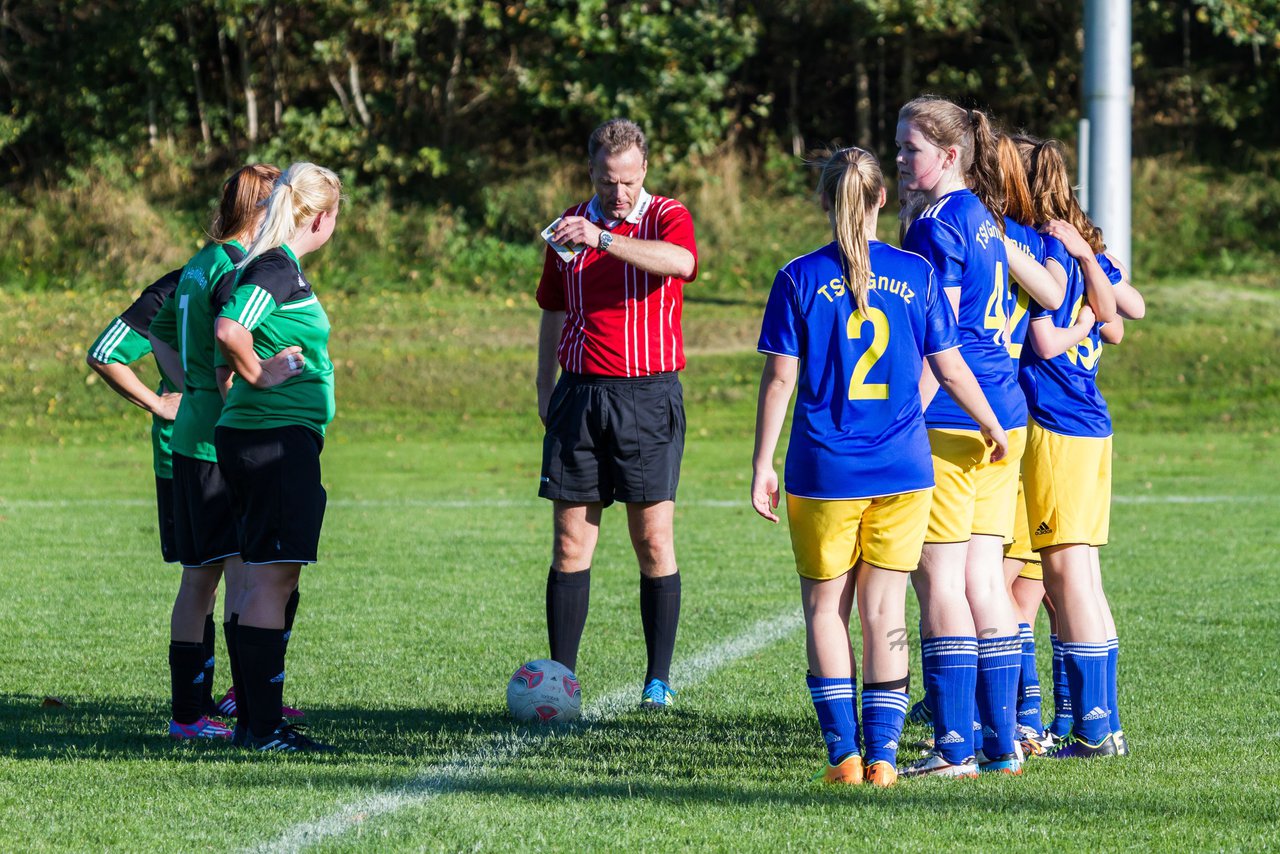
column 274, row 475
column 205, row 521
column 164, row 507
column 613, row 439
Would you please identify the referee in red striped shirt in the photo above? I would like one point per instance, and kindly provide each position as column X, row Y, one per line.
column 615, row 419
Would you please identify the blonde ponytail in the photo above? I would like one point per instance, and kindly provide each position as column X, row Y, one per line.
column 851, row 183
column 302, row 192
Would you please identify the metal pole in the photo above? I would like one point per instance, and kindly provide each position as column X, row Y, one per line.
column 1082, row 167
column 1108, row 99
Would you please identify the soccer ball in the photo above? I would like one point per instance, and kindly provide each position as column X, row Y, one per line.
column 544, row 691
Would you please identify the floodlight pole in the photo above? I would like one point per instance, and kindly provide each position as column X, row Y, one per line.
column 1108, row 108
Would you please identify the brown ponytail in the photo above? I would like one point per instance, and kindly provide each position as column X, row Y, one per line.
column 1018, row 204
column 851, row 183
column 243, row 195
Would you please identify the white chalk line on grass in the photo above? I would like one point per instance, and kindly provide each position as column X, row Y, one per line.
column 438, row 779
column 530, row 503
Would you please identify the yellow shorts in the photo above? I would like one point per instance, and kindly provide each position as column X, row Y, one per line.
column 971, row 494
column 1018, row 546
column 829, row 537
column 1068, row 486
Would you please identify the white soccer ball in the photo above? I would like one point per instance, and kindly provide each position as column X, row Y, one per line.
column 544, row 691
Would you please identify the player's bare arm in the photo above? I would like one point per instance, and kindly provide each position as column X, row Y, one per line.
column 125, row 383
column 169, row 360
column 549, row 332
column 1096, row 284
column 1050, row 341
column 237, row 345
column 652, row 256
column 955, row 376
column 777, row 382
column 1033, row 277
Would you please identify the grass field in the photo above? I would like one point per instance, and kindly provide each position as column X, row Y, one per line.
column 431, row 592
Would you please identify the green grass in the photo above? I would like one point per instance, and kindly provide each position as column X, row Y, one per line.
column 430, row 594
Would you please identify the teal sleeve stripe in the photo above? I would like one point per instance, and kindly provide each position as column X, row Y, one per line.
column 110, row 340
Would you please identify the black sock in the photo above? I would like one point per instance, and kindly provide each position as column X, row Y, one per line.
column 233, row 652
column 209, row 658
column 660, row 614
column 262, row 665
column 568, row 594
column 290, row 611
column 186, row 667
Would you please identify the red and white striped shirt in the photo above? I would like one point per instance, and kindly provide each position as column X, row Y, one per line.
column 619, row 320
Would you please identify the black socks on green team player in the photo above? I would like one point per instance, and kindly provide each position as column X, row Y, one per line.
column 260, row 693
column 568, row 594
column 290, row 611
column 186, row 680
column 660, row 615
column 209, row 659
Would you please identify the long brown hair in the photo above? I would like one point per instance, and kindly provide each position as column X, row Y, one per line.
column 947, row 125
column 1018, row 204
column 1053, row 195
column 243, row 195
column 851, row 183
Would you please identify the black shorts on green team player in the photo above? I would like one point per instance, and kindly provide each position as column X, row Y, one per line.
column 274, row 301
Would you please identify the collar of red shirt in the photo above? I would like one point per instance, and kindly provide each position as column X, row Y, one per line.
column 637, row 213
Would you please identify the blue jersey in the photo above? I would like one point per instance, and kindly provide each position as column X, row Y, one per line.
column 1062, row 392
column 960, row 238
column 1028, row 239
column 1113, row 272
column 858, row 430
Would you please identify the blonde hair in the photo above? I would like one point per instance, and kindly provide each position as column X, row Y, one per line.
column 851, row 183
column 242, row 195
column 302, row 192
column 1053, row 194
column 946, row 125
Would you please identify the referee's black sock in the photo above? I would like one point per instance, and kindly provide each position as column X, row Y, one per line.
column 290, row 611
column 233, row 652
column 209, row 659
column 262, row 665
column 660, row 614
column 568, row 594
column 186, row 669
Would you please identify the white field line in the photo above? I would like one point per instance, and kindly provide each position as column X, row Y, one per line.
column 438, row 779
column 508, row 503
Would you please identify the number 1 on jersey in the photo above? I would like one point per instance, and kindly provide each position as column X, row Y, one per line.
column 859, row 388
column 182, row 307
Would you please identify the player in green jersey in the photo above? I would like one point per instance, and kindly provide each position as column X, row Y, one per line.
column 270, row 435
column 182, row 334
column 122, row 343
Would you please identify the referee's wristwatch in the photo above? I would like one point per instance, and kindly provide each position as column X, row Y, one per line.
column 606, row 240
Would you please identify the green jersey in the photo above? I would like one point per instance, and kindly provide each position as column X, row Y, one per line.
column 125, row 341
column 274, row 301
column 185, row 323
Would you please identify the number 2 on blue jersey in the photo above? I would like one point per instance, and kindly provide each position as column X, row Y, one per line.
column 859, row 388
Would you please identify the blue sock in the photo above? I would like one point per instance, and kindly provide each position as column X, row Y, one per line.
column 883, row 714
column 1029, row 681
column 950, row 667
column 1087, row 673
column 999, row 665
column 1061, row 692
column 979, row 742
column 833, row 701
column 1113, row 694
column 927, row 699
